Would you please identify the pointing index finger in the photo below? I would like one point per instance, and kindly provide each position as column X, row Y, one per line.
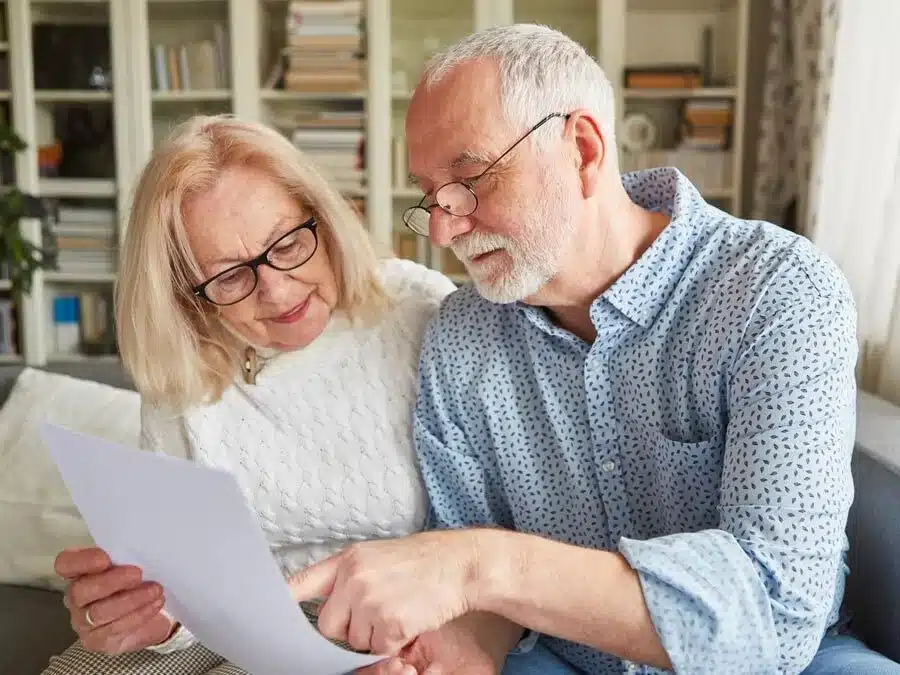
column 316, row 581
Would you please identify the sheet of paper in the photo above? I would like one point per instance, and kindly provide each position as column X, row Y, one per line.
column 189, row 528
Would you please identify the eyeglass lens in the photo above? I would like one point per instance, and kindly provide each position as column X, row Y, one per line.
column 454, row 198
column 287, row 253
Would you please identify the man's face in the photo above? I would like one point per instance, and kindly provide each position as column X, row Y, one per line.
column 528, row 204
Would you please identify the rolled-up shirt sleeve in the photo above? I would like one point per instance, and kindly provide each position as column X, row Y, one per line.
column 759, row 591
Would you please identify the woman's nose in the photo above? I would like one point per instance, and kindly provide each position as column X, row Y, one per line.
column 272, row 283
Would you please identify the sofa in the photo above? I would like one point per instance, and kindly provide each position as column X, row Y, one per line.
column 34, row 624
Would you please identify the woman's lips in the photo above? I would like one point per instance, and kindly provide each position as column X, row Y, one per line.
column 293, row 315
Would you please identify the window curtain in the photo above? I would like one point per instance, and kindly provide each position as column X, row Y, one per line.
column 801, row 35
column 856, row 219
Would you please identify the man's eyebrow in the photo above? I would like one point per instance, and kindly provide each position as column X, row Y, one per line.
column 470, row 157
column 467, row 158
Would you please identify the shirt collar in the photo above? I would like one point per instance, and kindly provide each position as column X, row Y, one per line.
column 643, row 290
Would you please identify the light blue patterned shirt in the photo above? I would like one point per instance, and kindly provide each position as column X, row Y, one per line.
column 706, row 434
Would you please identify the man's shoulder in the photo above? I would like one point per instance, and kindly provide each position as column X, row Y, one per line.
column 466, row 318
column 758, row 258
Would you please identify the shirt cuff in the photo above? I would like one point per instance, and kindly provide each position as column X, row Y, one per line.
column 526, row 643
column 181, row 639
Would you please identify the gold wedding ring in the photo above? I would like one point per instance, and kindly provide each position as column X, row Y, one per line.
column 88, row 619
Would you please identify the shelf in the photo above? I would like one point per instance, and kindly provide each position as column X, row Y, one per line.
column 700, row 92
column 407, row 193
column 4, row 46
column 54, row 276
column 8, row 359
column 5, row 95
column 672, row 6
column 718, row 193
column 283, row 95
column 76, row 187
column 5, row 284
column 81, row 358
column 355, row 192
column 196, row 96
column 71, row 96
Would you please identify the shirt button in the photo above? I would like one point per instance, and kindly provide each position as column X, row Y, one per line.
column 630, row 668
column 608, row 466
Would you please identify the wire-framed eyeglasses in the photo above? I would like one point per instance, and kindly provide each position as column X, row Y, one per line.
column 288, row 252
column 458, row 198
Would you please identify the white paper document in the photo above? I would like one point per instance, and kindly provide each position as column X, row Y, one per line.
column 189, row 528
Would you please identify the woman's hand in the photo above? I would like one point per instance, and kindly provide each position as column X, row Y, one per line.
column 113, row 609
column 472, row 645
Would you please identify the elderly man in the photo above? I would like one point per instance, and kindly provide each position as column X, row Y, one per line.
column 636, row 426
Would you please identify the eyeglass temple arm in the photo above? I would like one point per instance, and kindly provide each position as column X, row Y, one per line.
column 522, row 138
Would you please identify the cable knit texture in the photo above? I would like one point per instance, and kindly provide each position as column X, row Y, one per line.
column 321, row 445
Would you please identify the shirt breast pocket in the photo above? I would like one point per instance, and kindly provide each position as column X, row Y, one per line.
column 686, row 477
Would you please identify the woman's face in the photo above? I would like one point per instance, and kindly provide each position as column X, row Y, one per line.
column 235, row 221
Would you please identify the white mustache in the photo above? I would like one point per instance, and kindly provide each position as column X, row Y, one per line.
column 476, row 244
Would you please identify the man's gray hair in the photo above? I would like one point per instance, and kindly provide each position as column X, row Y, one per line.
column 542, row 71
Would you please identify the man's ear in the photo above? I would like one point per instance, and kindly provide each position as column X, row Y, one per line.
column 590, row 144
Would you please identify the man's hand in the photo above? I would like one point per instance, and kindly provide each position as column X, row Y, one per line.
column 381, row 595
column 474, row 644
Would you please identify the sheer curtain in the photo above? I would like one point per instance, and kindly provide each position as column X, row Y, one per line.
column 857, row 207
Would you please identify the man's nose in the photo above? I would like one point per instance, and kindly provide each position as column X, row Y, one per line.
column 443, row 227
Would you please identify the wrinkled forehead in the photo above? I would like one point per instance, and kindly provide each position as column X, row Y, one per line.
column 458, row 117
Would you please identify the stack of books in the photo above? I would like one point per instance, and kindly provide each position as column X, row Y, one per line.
column 669, row 76
column 325, row 49
column 337, row 153
column 86, row 241
column 706, row 125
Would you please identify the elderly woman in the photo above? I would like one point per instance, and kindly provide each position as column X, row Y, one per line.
column 265, row 338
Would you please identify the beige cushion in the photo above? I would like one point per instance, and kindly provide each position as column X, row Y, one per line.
column 37, row 517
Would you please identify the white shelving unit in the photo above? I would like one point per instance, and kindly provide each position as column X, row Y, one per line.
column 399, row 36
column 663, row 32
column 33, row 108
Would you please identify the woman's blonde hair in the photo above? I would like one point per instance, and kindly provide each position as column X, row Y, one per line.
column 174, row 346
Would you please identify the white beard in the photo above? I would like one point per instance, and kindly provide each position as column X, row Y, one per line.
column 529, row 262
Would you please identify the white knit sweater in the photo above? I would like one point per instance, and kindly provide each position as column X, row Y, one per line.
column 321, row 444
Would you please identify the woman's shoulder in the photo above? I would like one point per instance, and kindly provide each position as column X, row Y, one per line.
column 408, row 282
column 162, row 430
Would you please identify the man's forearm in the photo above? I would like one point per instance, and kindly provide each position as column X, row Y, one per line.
column 584, row 595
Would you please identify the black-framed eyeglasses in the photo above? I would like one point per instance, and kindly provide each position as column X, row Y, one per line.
column 288, row 252
column 458, row 198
